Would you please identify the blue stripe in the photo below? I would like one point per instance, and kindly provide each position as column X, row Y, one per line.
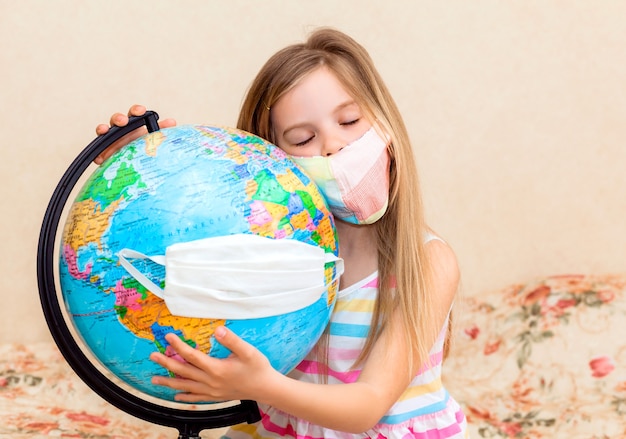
column 349, row 330
column 426, row 410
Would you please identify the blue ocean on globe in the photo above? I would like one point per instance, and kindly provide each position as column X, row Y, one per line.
column 177, row 185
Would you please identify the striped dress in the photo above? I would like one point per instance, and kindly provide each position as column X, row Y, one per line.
column 425, row 410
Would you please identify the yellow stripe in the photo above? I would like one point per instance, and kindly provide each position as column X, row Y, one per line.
column 422, row 389
column 355, row 305
column 249, row 429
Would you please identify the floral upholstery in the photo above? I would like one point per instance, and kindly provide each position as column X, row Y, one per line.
column 546, row 359
column 40, row 396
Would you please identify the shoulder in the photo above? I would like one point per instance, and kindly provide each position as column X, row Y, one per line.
column 444, row 267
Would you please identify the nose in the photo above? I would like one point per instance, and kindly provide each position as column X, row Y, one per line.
column 332, row 145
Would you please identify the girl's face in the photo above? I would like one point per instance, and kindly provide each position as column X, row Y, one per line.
column 317, row 117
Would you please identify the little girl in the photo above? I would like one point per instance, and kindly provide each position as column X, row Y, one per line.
column 377, row 370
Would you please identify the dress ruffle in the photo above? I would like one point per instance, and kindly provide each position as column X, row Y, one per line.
column 449, row 423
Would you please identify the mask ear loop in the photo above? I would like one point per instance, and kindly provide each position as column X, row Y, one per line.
column 138, row 275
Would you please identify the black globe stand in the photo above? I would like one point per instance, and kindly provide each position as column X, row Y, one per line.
column 188, row 423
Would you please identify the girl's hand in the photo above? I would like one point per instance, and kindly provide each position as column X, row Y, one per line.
column 203, row 378
column 120, row 120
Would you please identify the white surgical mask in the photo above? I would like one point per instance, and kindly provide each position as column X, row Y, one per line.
column 239, row 276
column 355, row 180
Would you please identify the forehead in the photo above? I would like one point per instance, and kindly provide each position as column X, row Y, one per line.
column 318, row 91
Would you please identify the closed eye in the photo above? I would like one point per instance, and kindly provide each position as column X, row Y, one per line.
column 304, row 142
column 352, row 122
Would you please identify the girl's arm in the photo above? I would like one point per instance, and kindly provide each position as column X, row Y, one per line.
column 353, row 408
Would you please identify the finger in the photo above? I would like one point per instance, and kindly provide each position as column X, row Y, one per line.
column 192, row 390
column 167, row 123
column 118, row 119
column 192, row 397
column 99, row 160
column 172, row 383
column 180, row 369
column 137, row 110
column 179, row 345
column 233, row 342
column 105, row 155
column 182, row 384
column 197, row 362
column 102, row 129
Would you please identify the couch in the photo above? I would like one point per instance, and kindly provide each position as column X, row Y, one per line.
column 541, row 359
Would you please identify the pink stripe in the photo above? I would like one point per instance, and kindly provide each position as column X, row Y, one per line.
column 434, row 433
column 281, row 431
column 440, row 433
column 277, row 429
column 371, row 284
column 312, row 367
column 374, row 283
column 434, row 360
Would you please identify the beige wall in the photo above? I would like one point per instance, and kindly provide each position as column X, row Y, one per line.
column 517, row 110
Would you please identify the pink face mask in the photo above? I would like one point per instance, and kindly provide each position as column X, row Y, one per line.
column 354, row 181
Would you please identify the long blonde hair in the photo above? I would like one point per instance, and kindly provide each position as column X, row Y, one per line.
column 402, row 230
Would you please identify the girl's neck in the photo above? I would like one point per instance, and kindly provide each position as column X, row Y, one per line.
column 358, row 248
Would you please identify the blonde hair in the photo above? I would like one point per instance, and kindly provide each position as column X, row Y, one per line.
column 402, row 230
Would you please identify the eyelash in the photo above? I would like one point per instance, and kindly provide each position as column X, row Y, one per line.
column 305, row 141
column 352, row 122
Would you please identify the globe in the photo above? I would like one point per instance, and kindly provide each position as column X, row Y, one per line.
column 178, row 185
